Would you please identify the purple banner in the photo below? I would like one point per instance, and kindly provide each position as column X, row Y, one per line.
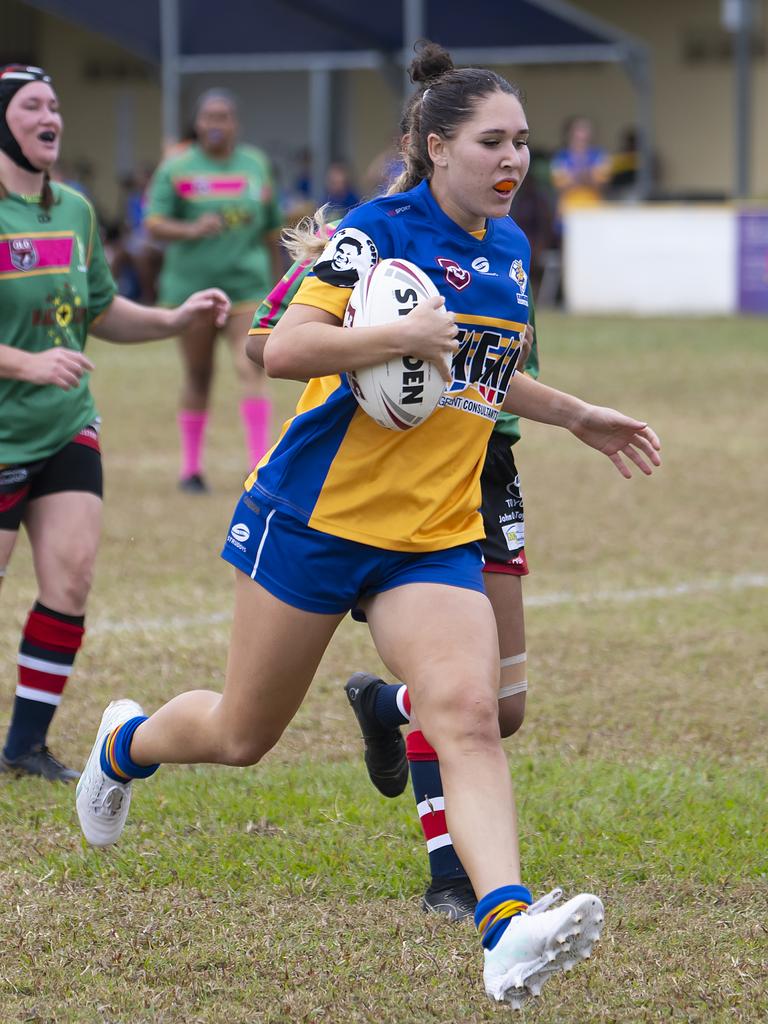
column 753, row 261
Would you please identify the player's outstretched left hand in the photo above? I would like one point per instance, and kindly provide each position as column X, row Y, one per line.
column 211, row 301
column 620, row 438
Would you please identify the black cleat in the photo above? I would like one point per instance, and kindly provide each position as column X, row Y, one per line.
column 456, row 902
column 384, row 747
column 39, row 762
column 194, row 484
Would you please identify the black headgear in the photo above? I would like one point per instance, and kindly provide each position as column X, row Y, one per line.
column 12, row 78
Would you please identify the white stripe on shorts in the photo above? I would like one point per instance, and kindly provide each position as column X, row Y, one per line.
column 28, row 693
column 261, row 545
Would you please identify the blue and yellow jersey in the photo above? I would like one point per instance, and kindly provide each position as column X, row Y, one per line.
column 337, row 470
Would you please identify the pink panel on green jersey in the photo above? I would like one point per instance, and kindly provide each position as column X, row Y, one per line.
column 29, row 254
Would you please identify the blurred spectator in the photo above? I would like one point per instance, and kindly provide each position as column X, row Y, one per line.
column 143, row 255
column 340, row 195
column 302, row 183
column 385, row 168
column 625, row 167
column 534, row 211
column 580, row 170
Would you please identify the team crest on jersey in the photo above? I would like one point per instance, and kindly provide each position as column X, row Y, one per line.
column 520, row 277
column 455, row 275
column 23, row 253
column 349, row 255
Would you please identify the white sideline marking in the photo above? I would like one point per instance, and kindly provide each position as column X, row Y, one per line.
column 742, row 582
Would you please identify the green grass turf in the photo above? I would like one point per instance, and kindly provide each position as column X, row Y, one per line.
column 290, row 892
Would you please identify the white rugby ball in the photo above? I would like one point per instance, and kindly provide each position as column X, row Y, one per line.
column 402, row 392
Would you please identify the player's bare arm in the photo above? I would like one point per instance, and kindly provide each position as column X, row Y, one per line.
column 310, row 342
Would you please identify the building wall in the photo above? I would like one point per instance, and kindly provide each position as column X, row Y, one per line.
column 112, row 102
column 694, row 86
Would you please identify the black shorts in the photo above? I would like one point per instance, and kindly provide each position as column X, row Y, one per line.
column 502, row 510
column 75, row 467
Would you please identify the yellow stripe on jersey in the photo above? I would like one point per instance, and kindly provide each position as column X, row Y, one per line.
column 491, row 321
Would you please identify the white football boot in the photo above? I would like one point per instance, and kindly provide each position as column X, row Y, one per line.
column 102, row 803
column 539, row 943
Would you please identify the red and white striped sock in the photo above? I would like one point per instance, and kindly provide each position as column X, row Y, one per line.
column 49, row 644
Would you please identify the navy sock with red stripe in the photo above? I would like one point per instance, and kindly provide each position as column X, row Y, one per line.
column 393, row 705
column 49, row 644
column 444, row 863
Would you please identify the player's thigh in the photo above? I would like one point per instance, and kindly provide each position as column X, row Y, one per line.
column 236, row 333
column 7, row 543
column 274, row 652
column 442, row 640
column 505, row 592
column 64, row 532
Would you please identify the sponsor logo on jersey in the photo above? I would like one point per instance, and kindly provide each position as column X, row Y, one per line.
column 456, row 276
column 349, row 255
column 481, row 265
column 520, row 277
column 486, row 359
column 24, row 255
column 398, row 210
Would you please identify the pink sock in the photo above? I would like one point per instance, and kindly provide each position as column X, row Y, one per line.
column 256, row 414
column 192, row 429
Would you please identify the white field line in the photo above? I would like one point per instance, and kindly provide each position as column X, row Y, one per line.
column 563, row 597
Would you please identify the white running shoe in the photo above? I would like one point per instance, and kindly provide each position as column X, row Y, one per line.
column 102, row 804
column 540, row 943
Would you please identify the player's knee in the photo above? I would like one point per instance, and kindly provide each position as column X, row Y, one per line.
column 470, row 720
column 74, row 579
column 242, row 751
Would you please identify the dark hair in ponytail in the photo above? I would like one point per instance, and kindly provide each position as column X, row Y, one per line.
column 447, row 98
column 46, row 193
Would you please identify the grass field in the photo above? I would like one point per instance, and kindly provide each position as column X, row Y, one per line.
column 290, row 892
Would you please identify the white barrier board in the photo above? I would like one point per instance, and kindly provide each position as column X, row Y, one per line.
column 651, row 260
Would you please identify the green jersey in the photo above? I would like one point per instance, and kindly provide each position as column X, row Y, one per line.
column 54, row 281
column 508, row 424
column 278, row 300
column 241, row 191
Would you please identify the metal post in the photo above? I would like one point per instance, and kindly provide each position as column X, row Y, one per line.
column 319, row 128
column 743, row 97
column 414, row 28
column 638, row 68
column 169, row 51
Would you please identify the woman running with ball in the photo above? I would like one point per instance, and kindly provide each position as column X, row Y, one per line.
column 342, row 514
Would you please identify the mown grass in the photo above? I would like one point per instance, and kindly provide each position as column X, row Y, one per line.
column 291, row 892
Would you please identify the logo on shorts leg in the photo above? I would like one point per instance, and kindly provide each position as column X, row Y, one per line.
column 514, row 535
column 240, row 532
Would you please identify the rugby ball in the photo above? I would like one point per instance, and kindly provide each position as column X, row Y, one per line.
column 402, row 392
